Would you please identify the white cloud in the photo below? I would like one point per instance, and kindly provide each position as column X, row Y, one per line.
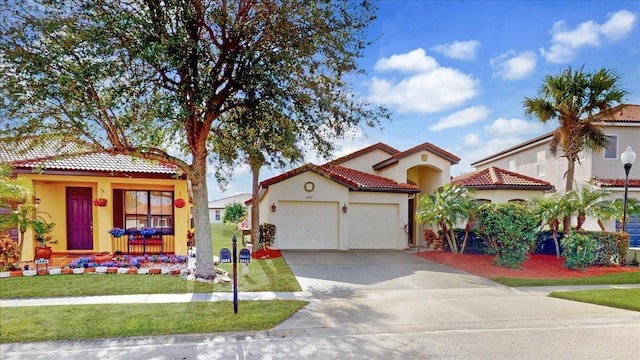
column 619, row 25
column 429, row 89
column 415, row 61
column 514, row 66
column 513, row 127
column 565, row 42
column 461, row 118
column 471, row 140
column 461, row 50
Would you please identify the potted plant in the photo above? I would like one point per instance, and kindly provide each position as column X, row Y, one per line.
column 100, row 202
column 9, row 253
column 42, row 229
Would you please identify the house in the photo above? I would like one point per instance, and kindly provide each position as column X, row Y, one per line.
column 87, row 193
column 601, row 169
column 494, row 184
column 364, row 200
column 216, row 207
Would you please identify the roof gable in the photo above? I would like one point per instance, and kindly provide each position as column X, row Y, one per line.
column 422, row 147
column 497, row 178
column 378, row 146
column 353, row 179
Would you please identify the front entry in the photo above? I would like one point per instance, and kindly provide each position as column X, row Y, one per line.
column 79, row 218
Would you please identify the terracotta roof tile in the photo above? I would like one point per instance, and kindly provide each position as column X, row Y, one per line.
column 71, row 157
column 353, row 179
column 497, row 178
column 616, row 182
column 368, row 149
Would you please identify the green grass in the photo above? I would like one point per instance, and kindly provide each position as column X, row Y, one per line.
column 610, row 279
column 46, row 323
column 264, row 275
column 618, row 298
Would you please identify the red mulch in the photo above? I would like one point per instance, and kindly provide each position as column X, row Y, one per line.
column 266, row 254
column 535, row 267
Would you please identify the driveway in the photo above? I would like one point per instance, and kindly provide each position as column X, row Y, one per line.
column 373, row 293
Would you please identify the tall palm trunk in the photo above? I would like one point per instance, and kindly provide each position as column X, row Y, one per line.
column 571, row 166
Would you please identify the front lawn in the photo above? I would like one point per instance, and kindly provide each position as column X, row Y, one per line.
column 618, row 298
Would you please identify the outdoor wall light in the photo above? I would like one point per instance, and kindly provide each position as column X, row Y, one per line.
column 38, row 201
column 345, row 208
column 627, row 158
column 273, row 207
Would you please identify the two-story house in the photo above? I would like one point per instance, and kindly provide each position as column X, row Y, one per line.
column 602, row 169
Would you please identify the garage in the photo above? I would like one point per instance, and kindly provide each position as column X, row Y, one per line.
column 308, row 225
column 373, row 226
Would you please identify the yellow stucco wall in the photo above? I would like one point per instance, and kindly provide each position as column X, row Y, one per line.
column 51, row 190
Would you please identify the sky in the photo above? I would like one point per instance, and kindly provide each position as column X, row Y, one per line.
column 455, row 73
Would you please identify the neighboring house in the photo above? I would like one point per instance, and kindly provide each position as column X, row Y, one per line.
column 365, row 200
column 216, row 207
column 602, row 169
column 498, row 185
column 138, row 194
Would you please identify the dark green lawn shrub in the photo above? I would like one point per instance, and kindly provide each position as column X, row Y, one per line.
column 579, row 250
column 509, row 230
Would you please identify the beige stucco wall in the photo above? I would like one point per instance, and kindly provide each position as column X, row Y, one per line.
column 51, row 190
column 500, row 196
column 613, row 168
column 366, row 161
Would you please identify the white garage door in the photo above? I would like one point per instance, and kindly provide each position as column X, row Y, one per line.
column 308, row 225
column 373, row 226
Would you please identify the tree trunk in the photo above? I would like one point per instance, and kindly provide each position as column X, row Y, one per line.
column 205, row 268
column 466, row 236
column 255, row 208
column 582, row 217
column 571, row 166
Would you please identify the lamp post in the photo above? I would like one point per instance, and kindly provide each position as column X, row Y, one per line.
column 627, row 158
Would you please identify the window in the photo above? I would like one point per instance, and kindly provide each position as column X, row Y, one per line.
column 512, row 165
column 141, row 208
column 217, row 215
column 541, row 169
column 611, row 151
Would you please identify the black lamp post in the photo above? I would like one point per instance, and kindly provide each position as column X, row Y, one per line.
column 627, row 158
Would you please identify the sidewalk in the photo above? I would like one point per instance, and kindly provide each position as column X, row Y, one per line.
column 156, row 298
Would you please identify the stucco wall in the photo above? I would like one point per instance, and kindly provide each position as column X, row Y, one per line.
column 50, row 189
column 366, row 161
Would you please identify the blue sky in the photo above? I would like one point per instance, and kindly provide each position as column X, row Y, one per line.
column 455, row 73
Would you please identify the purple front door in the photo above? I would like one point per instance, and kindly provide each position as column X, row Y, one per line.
column 79, row 219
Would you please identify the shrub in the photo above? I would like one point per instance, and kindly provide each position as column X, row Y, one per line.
column 611, row 247
column 9, row 252
column 267, row 235
column 579, row 250
column 432, row 239
column 509, row 231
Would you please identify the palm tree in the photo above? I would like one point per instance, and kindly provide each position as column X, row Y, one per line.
column 574, row 97
column 584, row 202
column 446, row 207
column 549, row 211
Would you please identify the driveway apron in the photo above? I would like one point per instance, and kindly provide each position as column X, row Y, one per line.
column 368, row 292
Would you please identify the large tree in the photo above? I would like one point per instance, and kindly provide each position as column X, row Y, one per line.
column 155, row 78
column 574, row 97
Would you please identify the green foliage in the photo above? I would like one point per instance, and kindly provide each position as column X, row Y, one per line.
column 509, row 230
column 214, row 80
column 267, row 235
column 611, row 248
column 446, row 207
column 234, row 212
column 579, row 250
column 573, row 97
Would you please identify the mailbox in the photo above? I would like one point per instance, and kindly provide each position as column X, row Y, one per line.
column 245, row 256
column 225, row 255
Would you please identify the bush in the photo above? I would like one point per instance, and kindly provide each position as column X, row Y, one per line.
column 267, row 235
column 509, row 231
column 579, row 250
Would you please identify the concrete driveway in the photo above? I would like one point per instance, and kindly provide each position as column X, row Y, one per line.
column 377, row 293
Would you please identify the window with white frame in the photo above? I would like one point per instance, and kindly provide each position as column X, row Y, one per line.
column 611, row 151
column 217, row 215
column 512, row 165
